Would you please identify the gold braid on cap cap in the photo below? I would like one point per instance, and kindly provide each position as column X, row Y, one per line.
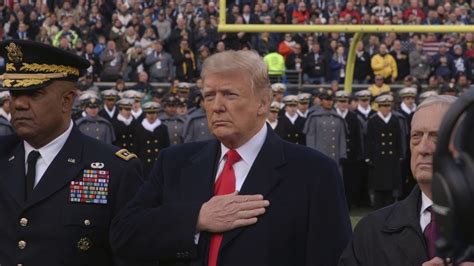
column 34, row 67
column 15, row 83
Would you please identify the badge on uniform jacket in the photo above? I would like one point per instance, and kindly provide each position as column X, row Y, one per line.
column 93, row 187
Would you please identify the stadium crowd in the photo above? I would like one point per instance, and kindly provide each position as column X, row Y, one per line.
column 167, row 42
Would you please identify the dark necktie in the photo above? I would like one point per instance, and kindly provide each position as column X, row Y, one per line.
column 31, row 172
column 225, row 184
column 431, row 234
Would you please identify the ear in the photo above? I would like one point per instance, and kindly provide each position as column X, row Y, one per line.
column 67, row 100
column 264, row 105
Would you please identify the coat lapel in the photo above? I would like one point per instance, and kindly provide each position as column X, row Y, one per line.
column 263, row 175
column 403, row 224
column 13, row 171
column 197, row 177
column 64, row 168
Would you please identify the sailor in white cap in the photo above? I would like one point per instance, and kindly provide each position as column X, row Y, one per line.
column 290, row 125
column 124, row 124
column 109, row 111
column 303, row 104
column 151, row 136
column 272, row 118
column 137, row 111
column 384, row 153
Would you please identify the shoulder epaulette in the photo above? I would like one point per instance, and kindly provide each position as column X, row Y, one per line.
column 125, row 154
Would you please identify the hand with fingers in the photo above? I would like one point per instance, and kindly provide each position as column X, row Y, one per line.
column 226, row 212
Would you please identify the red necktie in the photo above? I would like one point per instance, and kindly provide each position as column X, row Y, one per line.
column 225, row 184
column 431, row 234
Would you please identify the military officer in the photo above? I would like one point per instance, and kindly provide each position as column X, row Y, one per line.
column 272, row 117
column 278, row 90
column 173, row 121
column 182, row 107
column 350, row 165
column 151, row 136
column 384, row 152
column 290, row 125
column 405, row 112
column 59, row 189
column 303, row 104
column 109, row 110
column 137, row 111
column 124, row 125
column 5, row 116
column 325, row 130
column 92, row 124
column 196, row 128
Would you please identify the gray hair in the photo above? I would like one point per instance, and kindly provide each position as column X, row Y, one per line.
column 437, row 100
column 247, row 62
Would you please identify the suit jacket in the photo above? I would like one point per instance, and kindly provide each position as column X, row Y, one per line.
column 306, row 223
column 54, row 229
column 389, row 236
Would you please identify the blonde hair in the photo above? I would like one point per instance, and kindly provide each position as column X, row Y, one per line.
column 246, row 62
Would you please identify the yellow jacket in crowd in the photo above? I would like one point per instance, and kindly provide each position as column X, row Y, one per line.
column 385, row 66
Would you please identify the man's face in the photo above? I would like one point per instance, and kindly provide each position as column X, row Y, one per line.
column 342, row 105
column 151, row 117
column 277, row 96
column 38, row 115
column 92, row 112
column 291, row 109
column 385, row 109
column 423, row 137
column 409, row 101
column 6, row 106
column 272, row 116
column 364, row 103
column 170, row 109
column 327, row 104
column 109, row 103
column 126, row 112
column 234, row 112
column 303, row 107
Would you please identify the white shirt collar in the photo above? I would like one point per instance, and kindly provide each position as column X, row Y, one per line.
column 126, row 121
column 304, row 115
column 342, row 114
column 364, row 111
column 151, row 126
column 4, row 114
column 425, row 216
column 110, row 112
column 406, row 109
column 273, row 124
column 249, row 151
column 292, row 118
column 49, row 151
column 137, row 114
column 385, row 119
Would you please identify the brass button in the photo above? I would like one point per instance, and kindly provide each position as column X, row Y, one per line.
column 148, row 151
column 148, row 160
column 156, row 150
column 333, row 130
column 296, row 135
column 383, row 153
column 23, row 222
column 202, row 124
column 202, row 132
column 156, row 141
column 87, row 222
column 390, row 152
column 383, row 143
column 130, row 135
column 390, row 143
column 125, row 144
column 390, row 134
column 383, row 135
column 123, row 136
column 97, row 129
column 175, row 134
column 84, row 244
column 22, row 244
column 147, row 142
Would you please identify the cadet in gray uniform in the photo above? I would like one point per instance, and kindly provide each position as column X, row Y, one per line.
column 196, row 128
column 5, row 116
column 325, row 130
column 92, row 124
column 172, row 120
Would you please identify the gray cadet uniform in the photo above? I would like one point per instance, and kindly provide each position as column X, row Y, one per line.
column 196, row 128
column 174, row 123
column 5, row 126
column 326, row 131
column 95, row 127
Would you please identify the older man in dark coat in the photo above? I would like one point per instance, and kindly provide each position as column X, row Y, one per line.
column 404, row 233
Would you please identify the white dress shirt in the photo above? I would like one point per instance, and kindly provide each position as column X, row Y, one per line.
column 304, row 115
column 248, row 152
column 341, row 113
column 407, row 109
column 292, row 118
column 425, row 215
column 364, row 111
column 47, row 153
column 110, row 112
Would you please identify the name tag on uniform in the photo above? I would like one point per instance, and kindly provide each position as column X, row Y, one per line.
column 92, row 188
